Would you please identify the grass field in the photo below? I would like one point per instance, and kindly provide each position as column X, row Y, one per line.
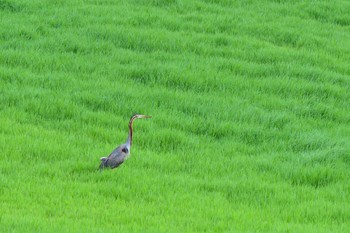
column 251, row 115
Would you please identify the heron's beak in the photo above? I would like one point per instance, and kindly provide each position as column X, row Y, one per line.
column 144, row 116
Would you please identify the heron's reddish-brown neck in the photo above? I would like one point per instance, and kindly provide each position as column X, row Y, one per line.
column 130, row 128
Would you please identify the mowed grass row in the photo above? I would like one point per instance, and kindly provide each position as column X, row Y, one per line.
column 250, row 106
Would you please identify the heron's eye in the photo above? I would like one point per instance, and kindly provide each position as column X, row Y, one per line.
column 125, row 150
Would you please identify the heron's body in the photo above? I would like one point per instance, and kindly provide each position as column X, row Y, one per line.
column 122, row 152
column 117, row 157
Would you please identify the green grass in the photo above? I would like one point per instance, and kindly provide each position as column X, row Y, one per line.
column 251, row 116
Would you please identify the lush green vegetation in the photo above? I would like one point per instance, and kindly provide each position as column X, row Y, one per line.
column 250, row 103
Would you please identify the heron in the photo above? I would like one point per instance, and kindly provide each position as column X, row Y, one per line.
column 122, row 152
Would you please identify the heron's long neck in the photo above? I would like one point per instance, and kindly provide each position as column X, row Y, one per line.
column 129, row 140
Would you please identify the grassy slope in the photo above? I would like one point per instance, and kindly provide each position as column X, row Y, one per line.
column 251, row 116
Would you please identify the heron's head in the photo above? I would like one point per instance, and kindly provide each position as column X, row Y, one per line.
column 136, row 117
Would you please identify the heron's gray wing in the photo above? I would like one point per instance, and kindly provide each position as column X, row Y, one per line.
column 114, row 159
column 117, row 156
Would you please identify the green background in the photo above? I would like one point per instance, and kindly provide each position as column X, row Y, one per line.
column 250, row 103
